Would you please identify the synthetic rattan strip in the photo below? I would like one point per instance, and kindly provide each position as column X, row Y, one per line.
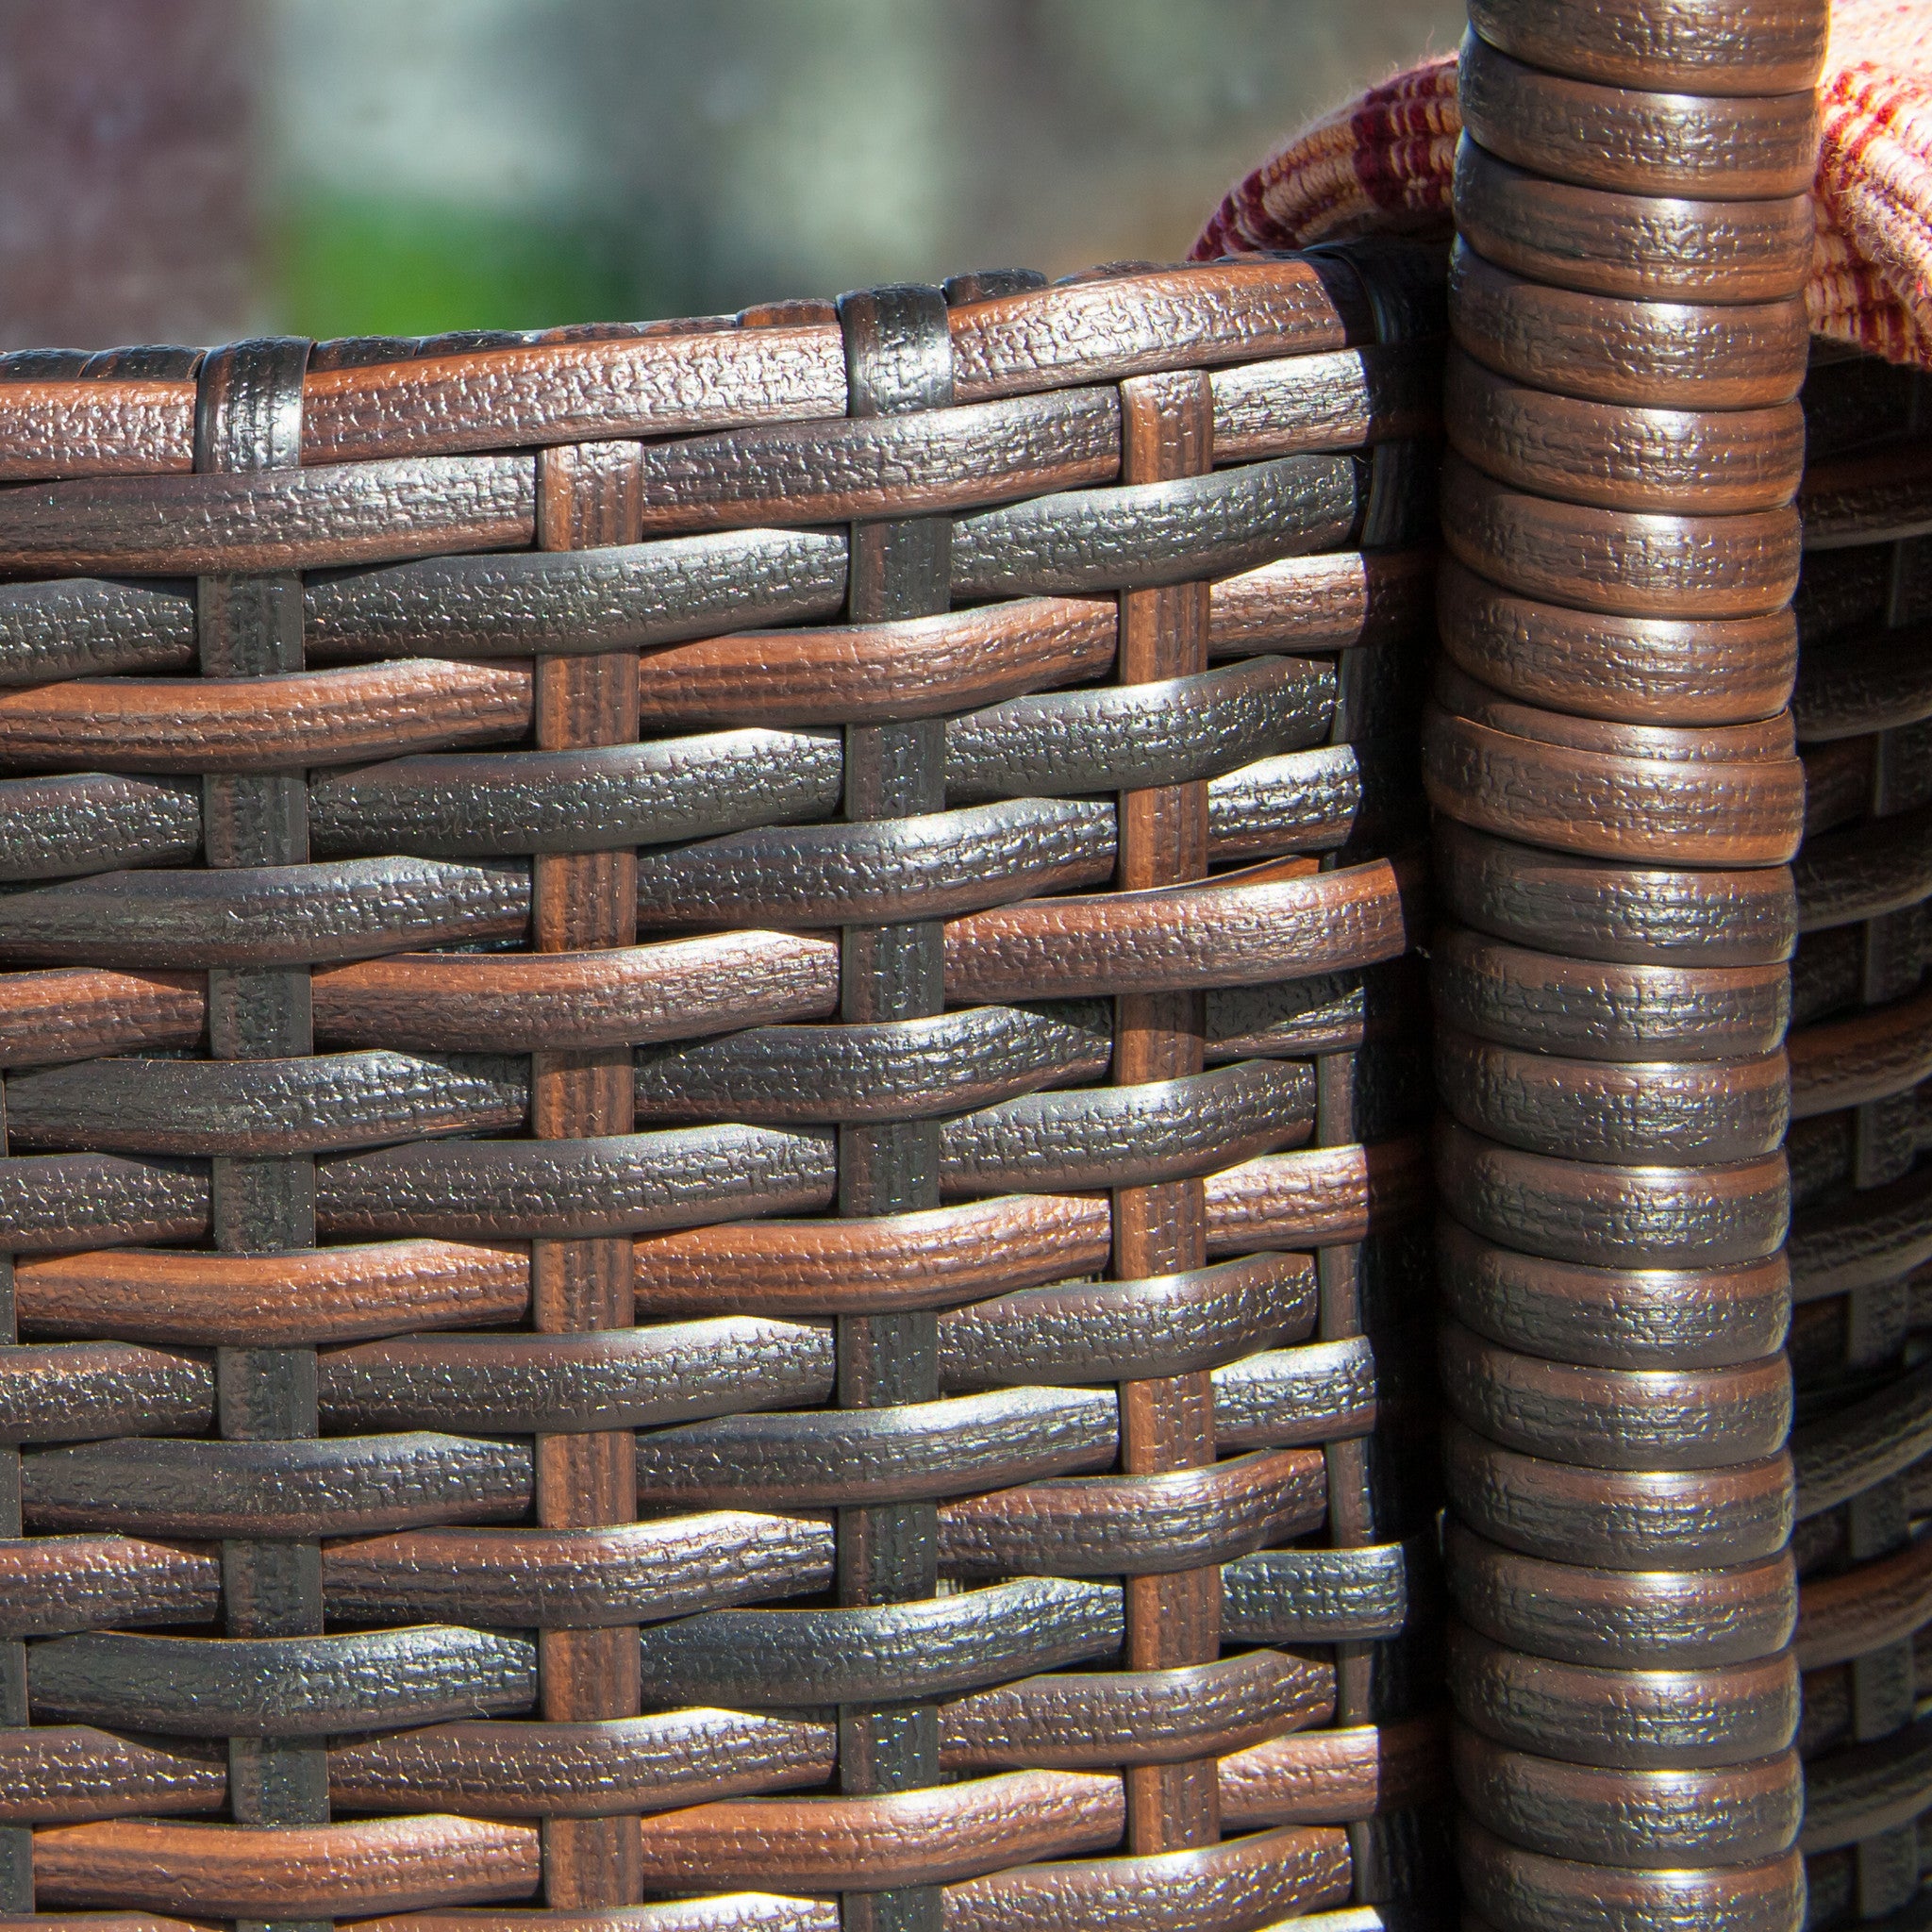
column 589, row 495
column 248, row 419
column 1166, row 1423
column 899, row 360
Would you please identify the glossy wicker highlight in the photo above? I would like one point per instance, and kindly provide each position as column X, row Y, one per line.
column 709, row 1168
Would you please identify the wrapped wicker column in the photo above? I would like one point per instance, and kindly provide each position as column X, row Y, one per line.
column 1860, row 1048
column 712, row 1161
column 1613, row 766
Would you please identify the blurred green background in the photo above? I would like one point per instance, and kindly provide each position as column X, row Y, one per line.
column 194, row 169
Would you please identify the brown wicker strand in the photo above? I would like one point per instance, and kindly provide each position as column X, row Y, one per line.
column 589, row 496
column 1166, row 1424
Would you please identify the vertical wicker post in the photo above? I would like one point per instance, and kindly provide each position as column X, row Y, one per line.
column 1173, row 1619
column 1620, row 798
column 898, row 358
column 589, row 496
column 248, row 418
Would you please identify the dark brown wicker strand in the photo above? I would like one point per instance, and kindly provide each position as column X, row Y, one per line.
column 898, row 360
column 248, row 420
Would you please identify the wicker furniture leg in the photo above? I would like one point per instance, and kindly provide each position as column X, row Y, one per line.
column 1618, row 813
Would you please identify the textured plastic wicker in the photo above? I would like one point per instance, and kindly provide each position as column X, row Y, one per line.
column 1612, row 758
column 1860, row 1046
column 702, row 1150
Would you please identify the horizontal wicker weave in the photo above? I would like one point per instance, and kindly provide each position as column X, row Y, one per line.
column 711, row 1169
column 1860, row 1048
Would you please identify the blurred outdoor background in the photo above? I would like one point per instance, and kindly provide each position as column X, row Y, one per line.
column 196, row 170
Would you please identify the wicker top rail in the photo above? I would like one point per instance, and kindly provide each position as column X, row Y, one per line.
column 132, row 411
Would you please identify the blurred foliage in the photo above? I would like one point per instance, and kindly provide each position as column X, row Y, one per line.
column 502, row 163
column 353, row 265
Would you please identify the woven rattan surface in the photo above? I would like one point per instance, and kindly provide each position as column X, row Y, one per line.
column 1862, row 1044
column 1612, row 758
column 710, row 1159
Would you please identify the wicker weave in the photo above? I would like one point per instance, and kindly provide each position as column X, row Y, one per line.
column 1862, row 1222
column 703, row 1150
column 1613, row 761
